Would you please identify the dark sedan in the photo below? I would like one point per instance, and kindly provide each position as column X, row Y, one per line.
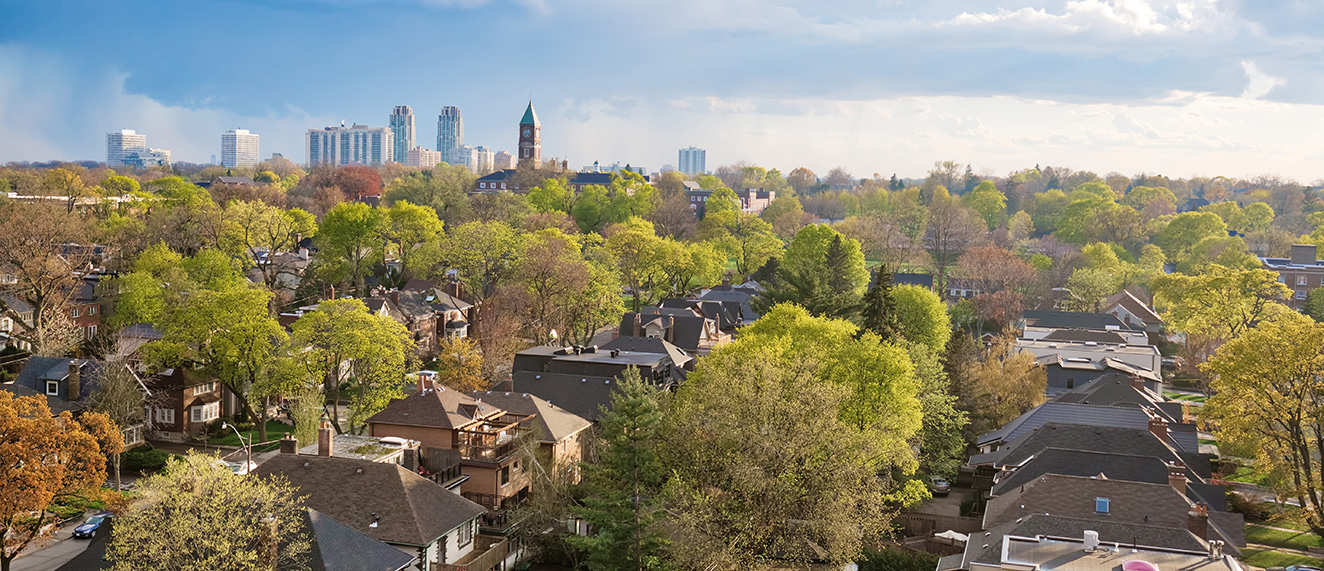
column 90, row 527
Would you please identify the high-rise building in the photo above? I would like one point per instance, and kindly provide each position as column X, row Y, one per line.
column 530, row 137
column 359, row 144
column 693, row 160
column 402, row 131
column 239, row 148
column 450, row 133
column 502, row 160
column 422, row 158
column 483, row 158
column 120, row 144
column 143, row 158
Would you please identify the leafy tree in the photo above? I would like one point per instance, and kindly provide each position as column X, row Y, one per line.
column 1258, row 216
column 746, row 237
column 414, row 234
column 357, row 181
column 988, row 201
column 551, row 196
column 1186, row 230
column 1231, row 214
column 922, row 316
column 1315, row 304
column 350, row 236
column 1267, row 397
column 1048, row 210
column 952, row 228
column 1001, row 386
column 801, row 179
column 590, row 208
column 1221, row 302
column 120, row 397
column 482, row 254
column 32, row 250
column 1141, row 196
column 878, row 312
column 254, row 232
column 117, row 185
column 1088, row 287
column 623, row 500
column 460, row 364
column 693, row 265
column 64, row 182
column 640, row 256
column 940, row 441
column 1082, row 215
column 443, row 189
column 1020, row 226
column 46, row 458
column 196, row 515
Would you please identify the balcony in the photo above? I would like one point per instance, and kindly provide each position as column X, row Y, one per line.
column 493, row 440
column 489, row 553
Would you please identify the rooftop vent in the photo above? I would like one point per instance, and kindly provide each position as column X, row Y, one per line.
column 1091, row 540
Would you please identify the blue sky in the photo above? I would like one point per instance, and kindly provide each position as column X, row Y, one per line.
column 1195, row 87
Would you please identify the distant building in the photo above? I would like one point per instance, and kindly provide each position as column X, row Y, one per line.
column 503, row 160
column 143, row 158
column 422, row 158
column 530, row 137
column 402, row 131
column 450, row 133
column 614, row 167
column 1300, row 272
column 120, row 144
column 693, row 160
column 239, row 148
column 359, row 144
column 483, row 159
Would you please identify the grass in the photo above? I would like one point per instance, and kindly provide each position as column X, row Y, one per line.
column 1299, row 541
column 275, row 430
column 1285, row 516
column 1209, row 442
column 1185, row 397
column 1247, row 475
column 1268, row 559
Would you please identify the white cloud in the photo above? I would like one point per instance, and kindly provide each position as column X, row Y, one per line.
column 1258, row 83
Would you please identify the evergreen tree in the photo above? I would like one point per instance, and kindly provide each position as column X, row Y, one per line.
column 896, row 183
column 623, row 487
column 878, row 311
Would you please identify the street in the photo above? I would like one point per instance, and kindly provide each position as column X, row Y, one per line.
column 60, row 550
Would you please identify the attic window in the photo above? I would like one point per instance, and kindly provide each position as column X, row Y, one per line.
column 53, row 388
column 1101, row 506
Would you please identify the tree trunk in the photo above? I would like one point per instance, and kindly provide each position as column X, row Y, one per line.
column 116, row 463
column 262, row 422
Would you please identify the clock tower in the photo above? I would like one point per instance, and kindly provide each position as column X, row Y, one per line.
column 530, row 137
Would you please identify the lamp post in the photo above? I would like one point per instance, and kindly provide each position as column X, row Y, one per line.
column 248, row 448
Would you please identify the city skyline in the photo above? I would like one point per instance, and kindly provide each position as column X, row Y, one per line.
column 1127, row 85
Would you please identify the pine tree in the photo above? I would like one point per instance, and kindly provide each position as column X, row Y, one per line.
column 878, row 311
column 624, row 486
column 896, row 183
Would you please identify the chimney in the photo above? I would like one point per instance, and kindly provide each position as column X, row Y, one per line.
column 1303, row 254
column 1177, row 477
column 422, row 383
column 1197, row 520
column 75, row 381
column 671, row 329
column 1137, row 382
column 411, row 458
column 324, row 439
column 395, row 296
column 288, row 444
column 638, row 321
column 1159, row 427
column 303, row 253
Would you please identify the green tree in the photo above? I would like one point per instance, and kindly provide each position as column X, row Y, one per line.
column 1082, row 216
column 1048, row 210
column 1139, row 197
column 444, row 189
column 1258, row 216
column 922, row 316
column 622, row 489
column 196, row 515
column 350, row 237
column 590, row 208
column 878, row 312
column 1186, row 230
column 1219, row 302
column 988, row 201
column 641, row 257
column 481, row 253
column 1231, row 214
column 1315, row 304
column 414, row 234
column 551, row 196
column 748, row 239
column 254, row 232
column 940, row 440
column 1088, row 287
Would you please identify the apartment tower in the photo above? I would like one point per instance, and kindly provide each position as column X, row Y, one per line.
column 239, row 148
column 450, row 133
column 402, row 131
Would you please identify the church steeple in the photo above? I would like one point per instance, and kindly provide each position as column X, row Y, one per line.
column 530, row 137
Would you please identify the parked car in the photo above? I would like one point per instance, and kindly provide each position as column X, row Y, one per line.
column 939, row 486
column 89, row 528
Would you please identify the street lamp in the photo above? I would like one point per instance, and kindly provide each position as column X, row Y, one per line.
column 248, row 448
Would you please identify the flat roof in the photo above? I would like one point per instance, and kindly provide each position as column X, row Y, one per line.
column 1086, row 346
column 354, row 446
column 1061, row 554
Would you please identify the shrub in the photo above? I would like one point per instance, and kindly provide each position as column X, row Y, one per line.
column 1245, row 506
column 896, row 559
column 144, row 459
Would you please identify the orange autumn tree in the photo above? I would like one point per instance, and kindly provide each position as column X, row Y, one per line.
column 44, row 458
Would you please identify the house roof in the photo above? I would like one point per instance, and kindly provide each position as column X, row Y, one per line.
column 443, row 301
column 530, row 116
column 1068, row 413
column 648, row 345
column 241, row 180
column 715, row 310
column 602, row 178
column 557, row 423
column 1138, row 442
column 497, row 176
column 922, row 280
column 14, row 303
column 338, row 547
column 40, row 369
column 438, row 407
column 56, row 404
column 1083, row 463
column 986, row 547
column 413, row 510
column 581, row 395
column 1074, row 320
column 1115, row 389
column 1084, row 364
column 687, row 332
column 1132, row 304
column 1084, row 335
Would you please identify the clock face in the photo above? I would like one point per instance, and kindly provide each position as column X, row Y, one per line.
column 528, row 133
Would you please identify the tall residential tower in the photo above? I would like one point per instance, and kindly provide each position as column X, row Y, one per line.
column 239, row 148
column 359, row 144
column 122, row 143
column 450, row 133
column 692, row 161
column 402, row 131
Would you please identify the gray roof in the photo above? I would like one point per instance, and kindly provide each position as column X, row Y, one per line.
column 1074, row 320
column 1088, row 414
column 1084, row 335
column 556, row 423
column 648, row 345
column 711, row 309
column 1133, row 441
column 40, row 369
column 735, row 296
column 414, row 511
column 14, row 303
column 687, row 333
column 986, row 547
column 1084, row 463
column 338, row 547
column 581, row 395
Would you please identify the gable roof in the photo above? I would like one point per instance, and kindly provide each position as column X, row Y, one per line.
column 1132, row 304
column 715, row 310
column 1133, row 441
column 1115, row 389
column 1081, row 363
column 556, row 423
column 1083, row 463
column 413, row 510
column 649, row 345
column 37, row 370
column 497, row 176
column 530, row 116
column 688, row 327
column 338, row 547
column 1074, row 320
column 437, row 407
column 581, row 395
column 1067, row 413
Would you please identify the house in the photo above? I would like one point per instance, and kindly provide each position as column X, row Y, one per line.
column 921, row 280
column 1163, row 504
column 338, row 547
column 11, row 329
column 734, row 298
column 1128, row 308
column 184, row 402
column 686, row 328
column 1035, row 324
column 235, row 180
column 662, row 368
column 755, row 200
column 132, row 338
column 1180, row 436
column 453, row 313
column 486, row 439
column 1116, row 389
column 409, row 309
column 1301, row 272
column 391, row 504
column 1054, row 543
column 582, row 395
column 67, row 385
column 1066, row 374
column 1142, row 357
column 714, row 310
column 85, row 308
column 562, row 435
column 497, row 181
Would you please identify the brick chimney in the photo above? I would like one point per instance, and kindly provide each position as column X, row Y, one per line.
column 1177, row 477
column 671, row 329
column 395, row 297
column 423, row 383
column 289, row 445
column 75, row 385
column 411, row 458
column 1197, row 520
column 325, row 439
column 1159, row 427
column 638, row 321
column 1137, row 382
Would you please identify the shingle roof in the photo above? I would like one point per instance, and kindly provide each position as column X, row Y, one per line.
column 434, row 408
column 557, row 423
column 338, row 547
column 1068, row 413
column 579, row 394
column 412, row 510
column 1073, row 320
column 688, row 330
column 986, row 547
column 1084, row 463
column 715, row 310
column 648, row 345
column 1084, row 335
column 922, row 280
column 1138, row 442
column 602, row 178
column 1133, row 304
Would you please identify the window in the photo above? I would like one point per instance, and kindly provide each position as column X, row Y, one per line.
column 1282, row 279
column 1101, row 505
column 91, row 331
column 466, row 534
column 92, row 310
column 53, row 388
column 482, row 185
column 1301, row 280
column 503, row 185
column 1071, row 383
column 505, row 475
column 165, row 415
column 1300, row 294
column 78, row 312
column 5, row 325
column 205, row 412
column 204, row 388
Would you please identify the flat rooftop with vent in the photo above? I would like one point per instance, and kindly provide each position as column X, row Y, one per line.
column 1046, row 553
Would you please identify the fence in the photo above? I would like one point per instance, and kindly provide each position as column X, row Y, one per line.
column 919, row 525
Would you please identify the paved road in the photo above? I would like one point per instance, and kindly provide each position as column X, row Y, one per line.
column 57, row 551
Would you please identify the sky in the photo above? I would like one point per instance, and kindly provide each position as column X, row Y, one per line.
column 1188, row 88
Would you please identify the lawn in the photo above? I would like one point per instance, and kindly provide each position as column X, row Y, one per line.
column 1185, row 397
column 1268, row 559
column 1247, row 475
column 1301, row 540
column 275, row 430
